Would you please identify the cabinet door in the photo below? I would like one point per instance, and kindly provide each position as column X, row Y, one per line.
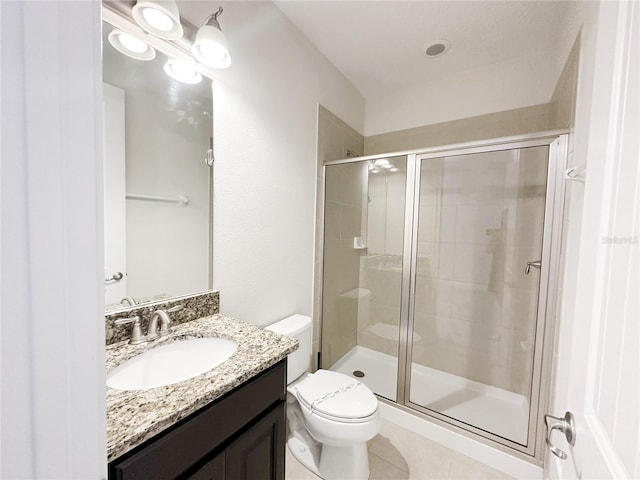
column 259, row 453
column 212, row 470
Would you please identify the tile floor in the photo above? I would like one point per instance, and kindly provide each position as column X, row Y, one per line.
column 398, row 454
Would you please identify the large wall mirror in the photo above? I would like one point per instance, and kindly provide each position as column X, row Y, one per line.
column 158, row 132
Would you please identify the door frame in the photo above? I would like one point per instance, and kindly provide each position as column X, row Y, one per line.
column 593, row 357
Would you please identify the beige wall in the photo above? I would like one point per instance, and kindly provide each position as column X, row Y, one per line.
column 494, row 125
column 562, row 107
column 343, row 221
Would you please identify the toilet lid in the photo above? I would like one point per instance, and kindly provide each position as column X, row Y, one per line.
column 336, row 395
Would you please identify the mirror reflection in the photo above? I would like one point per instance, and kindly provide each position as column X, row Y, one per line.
column 158, row 132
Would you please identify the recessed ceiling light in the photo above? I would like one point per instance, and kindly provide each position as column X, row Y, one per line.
column 437, row 48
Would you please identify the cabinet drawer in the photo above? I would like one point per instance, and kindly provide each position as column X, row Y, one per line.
column 175, row 450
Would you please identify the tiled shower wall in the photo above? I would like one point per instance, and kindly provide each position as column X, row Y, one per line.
column 381, row 267
column 335, row 138
column 480, row 221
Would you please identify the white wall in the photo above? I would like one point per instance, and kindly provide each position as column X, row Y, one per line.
column 265, row 123
column 52, row 330
column 515, row 83
column 582, row 18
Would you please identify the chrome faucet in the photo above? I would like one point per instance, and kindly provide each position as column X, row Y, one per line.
column 165, row 322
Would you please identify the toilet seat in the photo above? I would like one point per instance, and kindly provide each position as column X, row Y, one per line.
column 336, row 397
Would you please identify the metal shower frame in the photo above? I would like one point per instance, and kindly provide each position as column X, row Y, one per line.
column 557, row 142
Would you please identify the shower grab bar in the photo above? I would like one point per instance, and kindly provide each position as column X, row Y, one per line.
column 180, row 200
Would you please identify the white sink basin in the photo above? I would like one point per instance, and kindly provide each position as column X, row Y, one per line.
column 171, row 363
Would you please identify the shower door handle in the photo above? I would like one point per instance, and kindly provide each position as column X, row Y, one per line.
column 536, row 264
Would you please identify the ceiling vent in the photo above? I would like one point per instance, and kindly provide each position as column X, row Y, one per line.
column 437, row 48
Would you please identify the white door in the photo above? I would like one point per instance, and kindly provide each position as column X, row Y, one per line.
column 599, row 368
column 115, row 252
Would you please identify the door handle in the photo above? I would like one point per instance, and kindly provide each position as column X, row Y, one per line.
column 566, row 425
column 536, row 264
column 116, row 277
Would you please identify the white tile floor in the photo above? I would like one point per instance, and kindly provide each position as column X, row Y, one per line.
column 397, row 454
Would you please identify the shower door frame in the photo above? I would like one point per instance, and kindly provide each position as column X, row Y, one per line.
column 556, row 141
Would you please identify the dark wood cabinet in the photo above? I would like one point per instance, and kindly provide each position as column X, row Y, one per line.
column 212, row 470
column 238, row 436
column 259, row 453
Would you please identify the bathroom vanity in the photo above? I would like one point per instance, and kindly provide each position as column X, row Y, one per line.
column 228, row 422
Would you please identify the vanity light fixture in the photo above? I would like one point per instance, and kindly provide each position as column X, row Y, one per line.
column 131, row 46
column 382, row 165
column 182, row 71
column 159, row 17
column 210, row 46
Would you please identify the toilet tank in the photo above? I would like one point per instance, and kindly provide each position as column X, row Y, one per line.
column 298, row 327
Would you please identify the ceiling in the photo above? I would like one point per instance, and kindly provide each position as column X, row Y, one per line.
column 379, row 45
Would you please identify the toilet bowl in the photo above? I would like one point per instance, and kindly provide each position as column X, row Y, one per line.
column 331, row 416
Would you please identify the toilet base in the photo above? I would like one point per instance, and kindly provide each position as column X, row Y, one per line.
column 335, row 462
column 303, row 454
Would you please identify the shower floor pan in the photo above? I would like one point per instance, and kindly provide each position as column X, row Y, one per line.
column 492, row 409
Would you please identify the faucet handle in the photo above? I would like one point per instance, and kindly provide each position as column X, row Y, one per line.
column 124, row 321
column 174, row 309
column 130, row 300
column 136, row 331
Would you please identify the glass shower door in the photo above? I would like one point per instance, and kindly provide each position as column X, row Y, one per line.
column 480, row 222
column 362, row 276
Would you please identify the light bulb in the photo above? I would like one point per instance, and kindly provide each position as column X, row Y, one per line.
column 131, row 46
column 158, row 19
column 210, row 47
column 182, row 71
column 215, row 52
column 132, row 43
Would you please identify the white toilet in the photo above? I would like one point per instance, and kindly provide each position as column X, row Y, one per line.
column 331, row 416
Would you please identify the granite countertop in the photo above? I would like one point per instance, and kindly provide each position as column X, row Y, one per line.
column 134, row 416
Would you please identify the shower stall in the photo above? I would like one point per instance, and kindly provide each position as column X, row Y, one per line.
column 438, row 280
